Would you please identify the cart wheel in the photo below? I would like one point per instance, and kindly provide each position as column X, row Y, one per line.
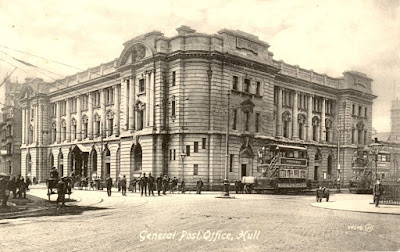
column 327, row 199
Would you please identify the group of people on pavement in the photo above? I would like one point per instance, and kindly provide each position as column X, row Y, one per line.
column 18, row 186
column 148, row 184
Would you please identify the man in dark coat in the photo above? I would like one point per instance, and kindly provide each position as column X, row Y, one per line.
column 237, row 186
column 22, row 188
column 165, row 184
column 109, row 185
column 378, row 190
column 199, row 185
column 133, row 184
column 54, row 173
column 151, row 184
column 13, row 187
column 61, row 189
column 143, row 184
column 183, row 186
column 159, row 181
column 123, row 185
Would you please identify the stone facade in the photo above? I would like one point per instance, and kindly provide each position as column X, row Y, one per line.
column 10, row 126
column 162, row 107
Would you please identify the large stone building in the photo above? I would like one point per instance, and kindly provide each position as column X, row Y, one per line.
column 161, row 107
column 10, row 126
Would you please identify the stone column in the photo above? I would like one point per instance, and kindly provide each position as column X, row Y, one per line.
column 132, row 98
column 35, row 125
column 79, row 118
column 103, row 113
column 295, row 123
column 58, row 122
column 23, row 126
column 309, row 118
column 148, row 99
column 90, row 116
column 323, row 128
column 125, row 84
column 151, row 103
column 279, row 114
column 116, row 110
column 68, row 120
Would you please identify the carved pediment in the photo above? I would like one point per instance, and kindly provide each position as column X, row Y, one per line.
column 247, row 105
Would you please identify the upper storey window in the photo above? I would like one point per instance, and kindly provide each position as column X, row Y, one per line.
column 173, row 78
column 328, row 107
column 63, row 107
column 287, row 98
column 85, row 100
column 73, row 105
column 96, row 99
column 246, row 87
column 235, row 83
column 109, row 95
column 258, row 88
column 317, row 104
column 142, row 86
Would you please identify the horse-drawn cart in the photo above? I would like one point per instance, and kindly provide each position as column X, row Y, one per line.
column 322, row 193
column 53, row 187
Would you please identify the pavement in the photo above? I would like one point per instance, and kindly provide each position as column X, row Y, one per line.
column 35, row 203
column 358, row 203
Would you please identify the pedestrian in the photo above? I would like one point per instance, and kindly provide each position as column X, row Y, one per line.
column 28, row 183
column 22, row 188
column 151, row 184
column 109, row 185
column 378, row 190
column 143, row 185
column 174, row 184
column 199, row 185
column 159, row 181
column 54, row 173
column 61, row 192
column 17, row 183
column 119, row 184
column 5, row 189
column 133, row 184
column 241, row 187
column 123, row 185
column 165, row 184
column 183, row 186
column 237, row 187
column 13, row 187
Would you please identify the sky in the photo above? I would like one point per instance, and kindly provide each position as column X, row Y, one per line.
column 327, row 36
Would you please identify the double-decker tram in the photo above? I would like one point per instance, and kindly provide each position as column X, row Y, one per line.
column 280, row 168
column 366, row 170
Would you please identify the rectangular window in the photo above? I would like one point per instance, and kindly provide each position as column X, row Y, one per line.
column 173, row 108
column 173, row 78
column 141, row 86
column 174, row 154
column 231, row 163
column 235, row 83
column 188, row 150
column 246, row 85
column 354, row 110
column 246, row 121
column 365, row 112
column 196, row 147
column 234, row 115
column 204, row 143
column 258, row 88
column 257, row 122
column 359, row 111
column 170, row 154
column 195, row 169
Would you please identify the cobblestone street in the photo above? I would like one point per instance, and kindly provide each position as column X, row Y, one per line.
column 199, row 223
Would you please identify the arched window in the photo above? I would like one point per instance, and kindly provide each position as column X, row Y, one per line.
column 60, row 163
column 110, row 123
column 138, row 158
column 118, row 162
column 132, row 159
column 315, row 125
column 84, row 127
column 301, row 121
column 286, row 119
column 28, row 164
column 329, row 165
column 328, row 133
column 93, row 162
column 107, row 163
column 63, row 130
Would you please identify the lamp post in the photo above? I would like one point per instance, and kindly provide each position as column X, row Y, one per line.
column 375, row 148
column 183, row 156
column 226, row 180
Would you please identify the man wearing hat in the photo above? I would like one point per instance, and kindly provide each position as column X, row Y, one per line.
column 109, row 185
column 61, row 192
column 143, row 184
column 159, row 181
column 123, row 185
column 151, row 181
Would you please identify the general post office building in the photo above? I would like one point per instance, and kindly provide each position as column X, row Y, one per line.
column 161, row 107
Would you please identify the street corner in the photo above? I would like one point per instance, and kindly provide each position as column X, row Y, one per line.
column 364, row 205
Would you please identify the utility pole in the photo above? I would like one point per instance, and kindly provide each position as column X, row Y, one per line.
column 226, row 180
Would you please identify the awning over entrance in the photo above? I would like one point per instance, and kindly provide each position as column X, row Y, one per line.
column 83, row 148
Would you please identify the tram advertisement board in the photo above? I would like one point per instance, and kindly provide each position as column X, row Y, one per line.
column 291, row 185
column 293, row 161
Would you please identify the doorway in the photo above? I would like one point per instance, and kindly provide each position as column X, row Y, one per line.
column 244, row 170
column 316, row 173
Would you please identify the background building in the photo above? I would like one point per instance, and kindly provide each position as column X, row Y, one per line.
column 10, row 126
column 161, row 107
